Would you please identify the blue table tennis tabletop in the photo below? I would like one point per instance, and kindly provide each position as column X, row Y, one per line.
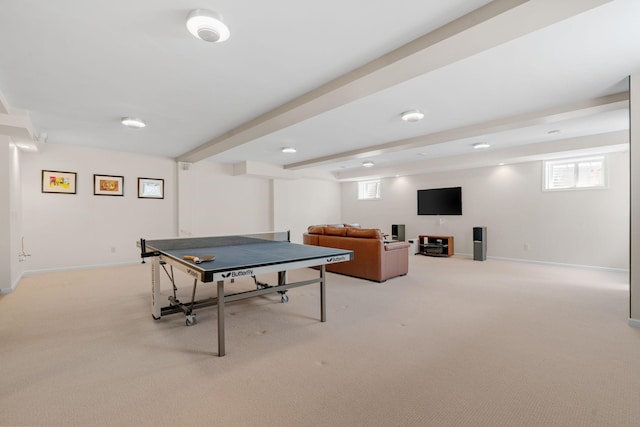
column 233, row 253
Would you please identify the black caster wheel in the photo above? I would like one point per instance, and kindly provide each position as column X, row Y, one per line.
column 190, row 320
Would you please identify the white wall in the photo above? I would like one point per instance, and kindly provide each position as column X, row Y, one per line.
column 634, row 206
column 15, row 216
column 5, row 230
column 65, row 231
column 11, row 268
column 303, row 202
column 588, row 227
column 81, row 230
column 214, row 202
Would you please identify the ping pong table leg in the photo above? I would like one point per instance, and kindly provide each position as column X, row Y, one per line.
column 323, row 296
column 221, row 350
column 155, row 287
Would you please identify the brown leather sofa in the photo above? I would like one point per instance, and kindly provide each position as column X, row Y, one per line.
column 373, row 258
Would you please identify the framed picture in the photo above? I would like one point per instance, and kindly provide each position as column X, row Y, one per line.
column 150, row 188
column 58, row 182
column 108, row 185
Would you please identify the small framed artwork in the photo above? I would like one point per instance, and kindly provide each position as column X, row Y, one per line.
column 108, row 185
column 58, row 182
column 150, row 188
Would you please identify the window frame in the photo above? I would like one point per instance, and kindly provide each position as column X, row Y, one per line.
column 361, row 190
column 575, row 161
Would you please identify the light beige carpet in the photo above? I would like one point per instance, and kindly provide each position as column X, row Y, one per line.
column 454, row 343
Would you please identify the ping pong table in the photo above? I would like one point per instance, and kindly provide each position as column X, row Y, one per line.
column 234, row 257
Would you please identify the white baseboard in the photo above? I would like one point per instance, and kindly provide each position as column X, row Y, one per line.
column 559, row 264
column 634, row 323
column 4, row 291
column 79, row 267
column 14, row 285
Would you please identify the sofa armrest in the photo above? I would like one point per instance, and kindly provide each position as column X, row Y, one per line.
column 310, row 239
column 394, row 246
column 395, row 259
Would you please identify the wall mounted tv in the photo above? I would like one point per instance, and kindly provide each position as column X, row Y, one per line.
column 440, row 201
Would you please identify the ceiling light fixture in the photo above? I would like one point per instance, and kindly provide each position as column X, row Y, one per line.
column 207, row 25
column 412, row 116
column 289, row 150
column 481, row 145
column 367, row 164
column 133, row 122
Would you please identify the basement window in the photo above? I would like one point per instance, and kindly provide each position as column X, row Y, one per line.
column 575, row 174
column 369, row 190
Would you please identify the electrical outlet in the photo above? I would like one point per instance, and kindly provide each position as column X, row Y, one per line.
column 526, row 246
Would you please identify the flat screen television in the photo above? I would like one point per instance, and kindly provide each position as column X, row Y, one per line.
column 440, row 201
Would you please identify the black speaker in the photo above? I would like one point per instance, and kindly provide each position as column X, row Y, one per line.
column 479, row 243
column 397, row 232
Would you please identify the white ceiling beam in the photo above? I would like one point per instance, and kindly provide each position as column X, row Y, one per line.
column 18, row 128
column 591, row 144
column 489, row 26
column 4, row 106
column 546, row 116
column 269, row 171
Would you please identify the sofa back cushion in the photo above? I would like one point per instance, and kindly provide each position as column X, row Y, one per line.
column 335, row 231
column 315, row 229
column 364, row 233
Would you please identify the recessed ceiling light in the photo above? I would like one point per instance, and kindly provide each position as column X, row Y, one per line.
column 412, row 116
column 133, row 122
column 481, row 145
column 207, row 25
column 289, row 150
column 367, row 164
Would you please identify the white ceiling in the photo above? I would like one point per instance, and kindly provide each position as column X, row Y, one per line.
column 329, row 78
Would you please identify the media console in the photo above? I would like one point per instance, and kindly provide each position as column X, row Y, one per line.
column 435, row 245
